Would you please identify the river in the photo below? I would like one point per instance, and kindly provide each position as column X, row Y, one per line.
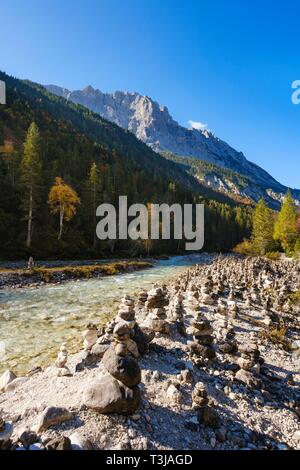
column 35, row 321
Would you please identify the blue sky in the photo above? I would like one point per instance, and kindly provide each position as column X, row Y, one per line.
column 227, row 64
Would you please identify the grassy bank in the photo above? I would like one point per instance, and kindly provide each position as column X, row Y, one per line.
column 38, row 275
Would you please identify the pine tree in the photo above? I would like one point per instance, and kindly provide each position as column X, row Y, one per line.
column 94, row 189
column 31, row 176
column 62, row 200
column 285, row 230
column 263, row 227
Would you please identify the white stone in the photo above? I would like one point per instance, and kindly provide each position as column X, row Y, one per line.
column 7, row 377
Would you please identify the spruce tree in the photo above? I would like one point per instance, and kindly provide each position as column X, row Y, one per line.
column 285, row 230
column 94, row 189
column 263, row 227
column 31, row 176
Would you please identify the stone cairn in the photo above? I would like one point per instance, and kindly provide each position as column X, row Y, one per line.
column 249, row 363
column 201, row 348
column 176, row 314
column 90, row 336
column 61, row 361
column 116, row 390
column 142, row 298
column 120, row 345
column 156, row 319
column 201, row 403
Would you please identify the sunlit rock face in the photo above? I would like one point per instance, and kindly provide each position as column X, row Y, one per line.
column 153, row 124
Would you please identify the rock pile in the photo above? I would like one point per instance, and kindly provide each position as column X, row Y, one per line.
column 249, row 365
column 156, row 319
column 116, row 390
column 61, row 361
column 201, row 348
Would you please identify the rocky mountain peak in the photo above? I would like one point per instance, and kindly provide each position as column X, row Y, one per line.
column 153, row 124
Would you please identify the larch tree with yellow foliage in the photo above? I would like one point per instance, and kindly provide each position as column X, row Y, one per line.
column 62, row 200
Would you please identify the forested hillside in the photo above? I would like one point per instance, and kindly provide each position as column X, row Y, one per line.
column 95, row 161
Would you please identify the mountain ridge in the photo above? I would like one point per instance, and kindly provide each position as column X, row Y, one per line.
column 152, row 124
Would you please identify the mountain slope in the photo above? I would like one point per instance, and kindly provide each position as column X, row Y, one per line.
column 153, row 124
column 73, row 140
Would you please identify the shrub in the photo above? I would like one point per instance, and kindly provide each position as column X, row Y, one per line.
column 295, row 298
column 245, row 248
column 273, row 255
column 277, row 336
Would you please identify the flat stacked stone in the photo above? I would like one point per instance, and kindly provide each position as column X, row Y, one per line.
column 249, row 363
column 206, row 297
column 90, row 336
column 61, row 361
column 156, row 319
column 142, row 298
column 201, row 349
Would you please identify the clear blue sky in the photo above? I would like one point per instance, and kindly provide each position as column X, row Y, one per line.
column 228, row 64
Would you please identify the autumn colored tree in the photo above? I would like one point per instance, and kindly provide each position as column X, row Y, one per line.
column 62, row 200
column 285, row 230
column 31, row 176
column 263, row 228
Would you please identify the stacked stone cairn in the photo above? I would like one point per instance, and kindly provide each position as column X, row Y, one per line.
column 176, row 314
column 206, row 297
column 249, row 363
column 156, row 319
column 116, row 390
column 201, row 348
column 61, row 361
column 201, row 402
column 90, row 336
column 142, row 298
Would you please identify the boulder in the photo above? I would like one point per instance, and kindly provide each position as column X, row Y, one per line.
column 79, row 442
column 5, row 433
column 7, row 377
column 59, row 443
column 27, row 437
column 108, row 395
column 52, row 416
column 17, row 382
column 125, row 369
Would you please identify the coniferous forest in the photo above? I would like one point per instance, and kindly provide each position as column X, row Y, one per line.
column 59, row 161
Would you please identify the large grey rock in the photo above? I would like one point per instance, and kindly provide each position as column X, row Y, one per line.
column 108, row 395
column 125, row 369
column 52, row 416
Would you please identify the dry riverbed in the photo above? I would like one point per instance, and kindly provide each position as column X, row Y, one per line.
column 246, row 417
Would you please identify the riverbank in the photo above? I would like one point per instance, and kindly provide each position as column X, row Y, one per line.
column 40, row 275
column 250, row 404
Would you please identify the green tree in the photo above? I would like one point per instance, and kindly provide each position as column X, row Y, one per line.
column 31, row 166
column 94, row 188
column 285, row 230
column 263, row 228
